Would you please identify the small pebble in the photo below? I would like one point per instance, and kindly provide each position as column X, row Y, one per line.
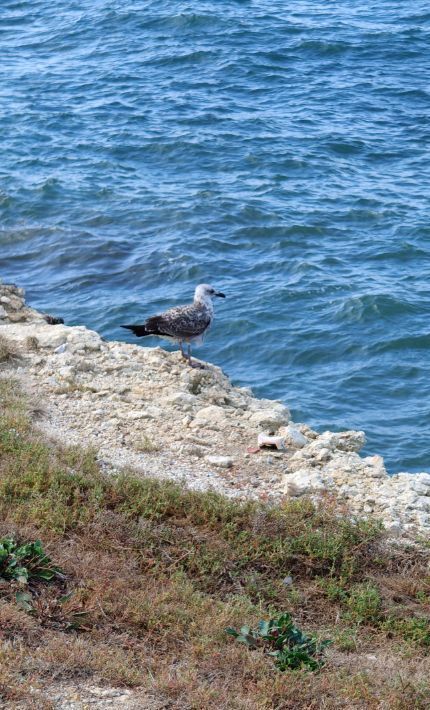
column 220, row 461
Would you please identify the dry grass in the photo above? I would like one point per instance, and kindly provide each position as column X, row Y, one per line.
column 146, row 445
column 156, row 573
column 9, row 353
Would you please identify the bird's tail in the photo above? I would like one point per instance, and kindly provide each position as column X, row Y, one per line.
column 138, row 330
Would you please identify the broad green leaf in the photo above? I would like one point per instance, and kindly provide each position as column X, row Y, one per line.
column 232, row 632
column 24, row 599
column 21, row 575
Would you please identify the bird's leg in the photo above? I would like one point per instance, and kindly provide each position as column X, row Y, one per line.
column 191, row 362
column 182, row 350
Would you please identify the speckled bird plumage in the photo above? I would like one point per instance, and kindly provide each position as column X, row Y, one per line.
column 183, row 324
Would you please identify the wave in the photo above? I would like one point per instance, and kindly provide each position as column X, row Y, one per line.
column 369, row 307
column 281, row 155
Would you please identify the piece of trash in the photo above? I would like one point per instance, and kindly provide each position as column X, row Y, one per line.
column 288, row 581
column 253, row 450
column 270, row 441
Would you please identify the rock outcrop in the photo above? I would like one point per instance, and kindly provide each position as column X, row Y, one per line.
column 144, row 408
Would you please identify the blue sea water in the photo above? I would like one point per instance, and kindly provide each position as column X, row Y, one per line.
column 277, row 150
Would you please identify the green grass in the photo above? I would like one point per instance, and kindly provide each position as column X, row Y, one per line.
column 415, row 630
column 364, row 603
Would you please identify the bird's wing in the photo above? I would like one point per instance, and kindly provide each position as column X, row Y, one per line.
column 180, row 322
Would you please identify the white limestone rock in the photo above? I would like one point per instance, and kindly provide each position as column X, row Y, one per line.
column 150, row 412
column 67, row 373
column 183, row 400
column 293, row 437
column 49, row 336
column 422, row 519
column 154, row 412
column 419, row 482
column 210, row 415
column 219, row 461
column 192, row 450
column 270, row 419
column 85, row 365
column 300, row 459
column 304, row 481
column 80, row 338
column 216, row 395
column 323, row 455
column 350, row 440
column 255, row 404
column 393, row 526
column 422, row 503
column 374, row 466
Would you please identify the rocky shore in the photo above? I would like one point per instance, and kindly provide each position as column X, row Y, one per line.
column 144, row 408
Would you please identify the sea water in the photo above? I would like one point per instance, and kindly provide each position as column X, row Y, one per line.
column 279, row 151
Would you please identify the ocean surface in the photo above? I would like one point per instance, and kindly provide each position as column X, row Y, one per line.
column 279, row 151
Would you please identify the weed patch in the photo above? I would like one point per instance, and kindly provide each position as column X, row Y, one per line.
column 413, row 630
column 25, row 562
column 282, row 640
column 364, row 604
column 9, row 353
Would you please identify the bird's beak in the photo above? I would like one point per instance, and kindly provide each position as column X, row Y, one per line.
column 218, row 293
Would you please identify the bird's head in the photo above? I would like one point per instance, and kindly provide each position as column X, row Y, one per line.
column 204, row 293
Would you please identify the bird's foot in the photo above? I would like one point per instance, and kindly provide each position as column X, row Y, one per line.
column 196, row 365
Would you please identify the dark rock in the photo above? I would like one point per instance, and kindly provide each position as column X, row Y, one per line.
column 53, row 320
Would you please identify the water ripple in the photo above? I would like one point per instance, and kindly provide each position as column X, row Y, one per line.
column 280, row 153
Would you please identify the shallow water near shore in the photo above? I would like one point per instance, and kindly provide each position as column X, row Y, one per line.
column 279, row 154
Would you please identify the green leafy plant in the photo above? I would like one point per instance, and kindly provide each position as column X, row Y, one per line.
column 281, row 638
column 415, row 630
column 25, row 562
column 364, row 603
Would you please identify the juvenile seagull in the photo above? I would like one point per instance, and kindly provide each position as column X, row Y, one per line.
column 183, row 324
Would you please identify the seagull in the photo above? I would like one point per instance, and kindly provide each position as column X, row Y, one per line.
column 183, row 324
